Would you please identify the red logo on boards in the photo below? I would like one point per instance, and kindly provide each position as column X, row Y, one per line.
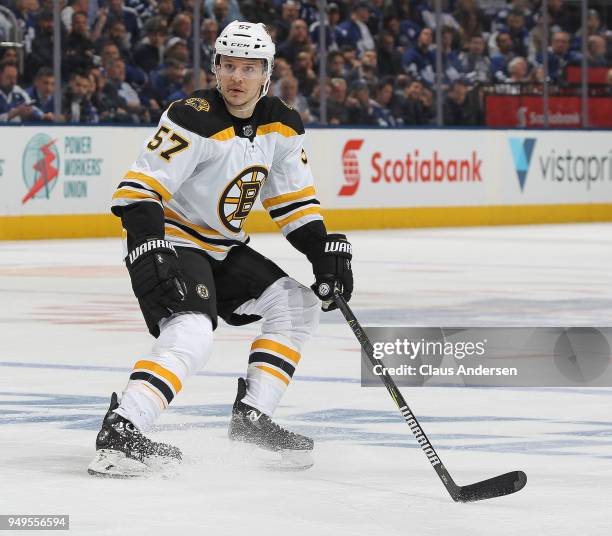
column 350, row 166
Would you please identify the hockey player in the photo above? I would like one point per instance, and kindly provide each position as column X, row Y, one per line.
column 183, row 204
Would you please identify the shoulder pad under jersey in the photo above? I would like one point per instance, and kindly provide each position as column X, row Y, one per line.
column 203, row 113
column 274, row 109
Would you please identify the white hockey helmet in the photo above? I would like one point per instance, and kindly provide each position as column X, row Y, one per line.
column 246, row 40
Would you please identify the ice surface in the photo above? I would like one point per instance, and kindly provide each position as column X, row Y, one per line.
column 71, row 331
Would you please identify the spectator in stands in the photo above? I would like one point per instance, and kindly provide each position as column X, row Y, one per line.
column 475, row 65
column 403, row 38
column 209, row 33
column 15, row 104
column 78, row 49
column 42, row 46
column 519, row 34
column 501, row 17
column 182, row 26
column 334, row 35
column 451, row 68
column 134, row 75
column 410, row 105
column 282, row 69
column 9, row 54
column 376, row 17
column 231, row 10
column 409, row 29
column 594, row 27
column 24, row 11
column 188, row 86
column 365, row 69
column 176, row 48
column 74, row 6
column 560, row 18
column 220, row 12
column 148, row 53
column 290, row 11
column 145, row 9
column 458, row 108
column 559, row 56
column 427, row 13
column 596, row 55
column 500, row 61
column 76, row 103
column 131, row 23
column 41, row 92
column 471, row 19
column 358, row 104
column 115, row 75
column 297, row 41
column 337, row 112
column 259, row 11
column 518, row 70
column 309, row 11
column 336, row 66
column 165, row 9
column 420, row 60
column 303, row 70
column 110, row 107
column 290, row 95
column 162, row 84
column 117, row 34
column 380, row 107
column 389, row 58
column 356, row 29
column 609, row 82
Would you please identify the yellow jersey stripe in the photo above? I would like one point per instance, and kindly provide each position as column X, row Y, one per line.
column 131, row 194
column 267, row 344
column 160, row 371
column 224, row 135
column 297, row 215
column 278, row 127
column 285, row 198
column 172, row 231
column 202, row 230
column 273, row 372
column 150, row 181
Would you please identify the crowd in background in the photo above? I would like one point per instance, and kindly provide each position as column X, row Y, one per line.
column 124, row 61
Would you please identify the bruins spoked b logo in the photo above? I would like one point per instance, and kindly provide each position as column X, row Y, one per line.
column 239, row 196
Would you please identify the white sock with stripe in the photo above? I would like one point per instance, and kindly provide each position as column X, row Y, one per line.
column 182, row 348
column 272, row 363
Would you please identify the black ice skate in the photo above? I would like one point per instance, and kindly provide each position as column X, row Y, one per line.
column 123, row 452
column 250, row 425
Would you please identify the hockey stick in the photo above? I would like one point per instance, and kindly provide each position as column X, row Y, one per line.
column 497, row 486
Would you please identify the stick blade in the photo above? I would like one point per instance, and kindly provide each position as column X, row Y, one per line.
column 497, row 486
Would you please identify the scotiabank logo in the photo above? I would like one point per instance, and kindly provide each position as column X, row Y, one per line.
column 350, row 166
column 415, row 166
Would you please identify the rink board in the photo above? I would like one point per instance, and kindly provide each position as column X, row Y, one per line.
column 58, row 181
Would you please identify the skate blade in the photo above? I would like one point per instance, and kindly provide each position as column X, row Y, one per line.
column 293, row 460
column 284, row 460
column 115, row 464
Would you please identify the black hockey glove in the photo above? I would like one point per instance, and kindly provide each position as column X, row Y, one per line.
column 156, row 274
column 331, row 265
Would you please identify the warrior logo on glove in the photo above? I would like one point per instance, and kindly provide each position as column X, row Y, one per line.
column 331, row 266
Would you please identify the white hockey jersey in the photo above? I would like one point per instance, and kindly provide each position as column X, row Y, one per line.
column 206, row 169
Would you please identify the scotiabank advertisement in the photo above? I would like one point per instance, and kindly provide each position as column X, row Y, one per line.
column 439, row 168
